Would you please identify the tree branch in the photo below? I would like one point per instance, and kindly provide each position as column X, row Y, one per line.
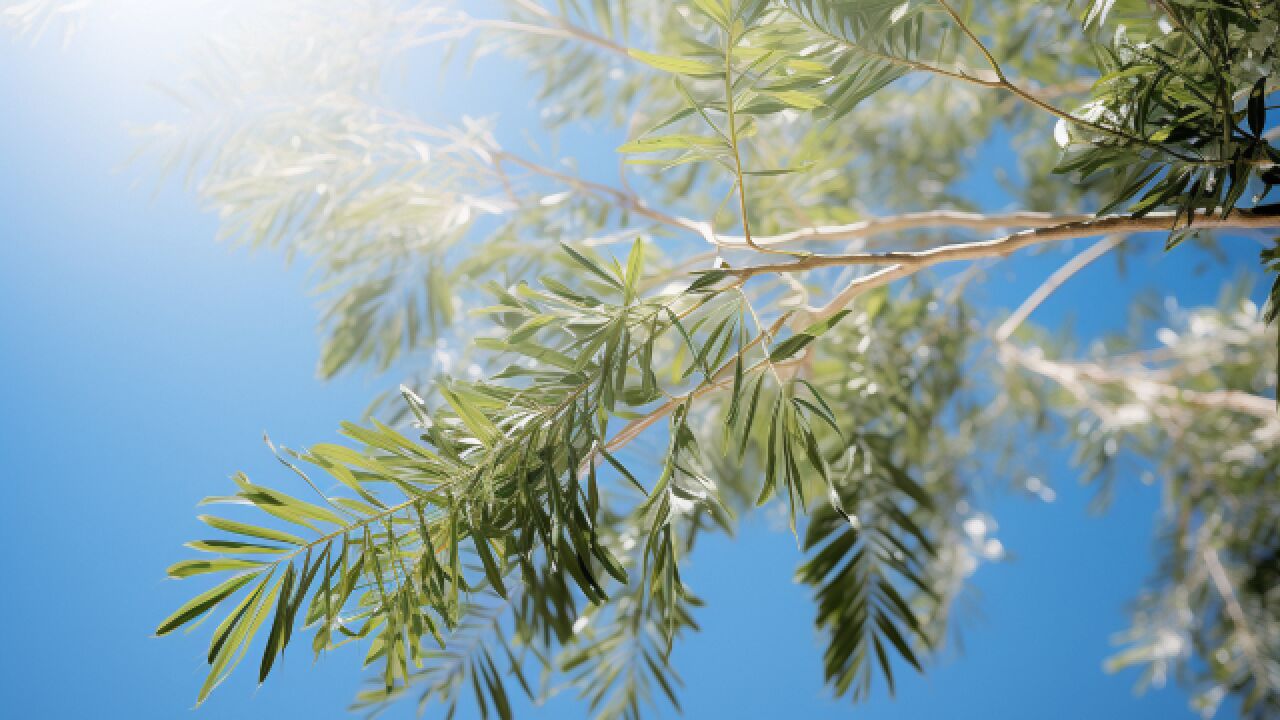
column 556, row 27
column 622, row 198
column 903, row 264
column 1055, row 281
column 573, row 30
column 1001, row 82
column 718, row 381
column 1073, row 374
column 906, row 221
column 1222, row 583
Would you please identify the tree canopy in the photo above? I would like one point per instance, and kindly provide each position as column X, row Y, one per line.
column 780, row 290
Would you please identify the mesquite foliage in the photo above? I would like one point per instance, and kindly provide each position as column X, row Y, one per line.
column 492, row 524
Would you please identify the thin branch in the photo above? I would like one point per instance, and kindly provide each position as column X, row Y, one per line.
column 964, row 27
column 740, row 182
column 733, row 138
column 718, row 381
column 827, row 233
column 559, row 27
column 622, row 198
column 909, row 263
column 907, row 221
column 1222, row 584
column 1073, row 375
column 1055, row 281
column 1001, row 82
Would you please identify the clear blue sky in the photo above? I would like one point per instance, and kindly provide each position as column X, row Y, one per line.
column 140, row 362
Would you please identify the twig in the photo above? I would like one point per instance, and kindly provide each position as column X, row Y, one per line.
column 1072, row 375
column 1055, row 281
column 623, row 199
column 1222, row 584
column 718, row 381
column 561, row 27
column 1001, row 82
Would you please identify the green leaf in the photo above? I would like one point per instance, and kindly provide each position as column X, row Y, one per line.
column 677, row 65
column 798, row 99
column 592, row 266
column 705, row 280
column 714, row 9
column 693, row 102
column 635, row 267
column 240, row 528
column 800, row 340
column 623, row 471
column 277, row 637
column 475, row 420
column 778, row 171
column 1257, row 108
column 283, row 506
column 491, row 569
column 234, row 546
column 236, row 642
column 751, row 415
column 187, row 568
column 202, row 603
column 677, row 141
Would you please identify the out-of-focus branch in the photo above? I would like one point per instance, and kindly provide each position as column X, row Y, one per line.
column 570, row 28
column 463, row 24
column 623, row 199
column 1055, row 281
column 1222, row 584
column 1072, row 375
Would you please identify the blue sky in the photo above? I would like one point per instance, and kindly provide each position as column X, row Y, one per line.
column 140, row 363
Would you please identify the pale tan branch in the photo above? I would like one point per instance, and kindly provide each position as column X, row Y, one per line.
column 1055, row 281
column 1222, row 584
column 572, row 30
column 902, row 264
column 560, row 29
column 622, row 198
column 833, row 233
column 556, row 27
column 1072, row 375
column 906, row 221
column 718, row 381
column 1070, row 87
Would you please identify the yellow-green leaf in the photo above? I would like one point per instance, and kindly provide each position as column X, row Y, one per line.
column 202, row 603
column 240, row 528
column 798, row 99
column 187, row 568
column 678, row 65
column 668, row 142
